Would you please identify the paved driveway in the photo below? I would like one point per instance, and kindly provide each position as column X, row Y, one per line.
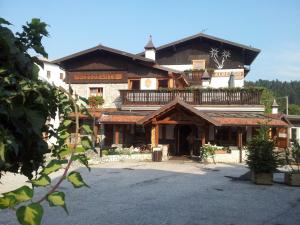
column 174, row 192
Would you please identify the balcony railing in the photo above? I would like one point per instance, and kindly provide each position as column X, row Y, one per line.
column 193, row 76
column 193, row 97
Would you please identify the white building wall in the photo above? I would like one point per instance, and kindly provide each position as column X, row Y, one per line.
column 297, row 133
column 111, row 94
column 54, row 79
column 55, row 72
column 222, row 82
column 215, row 82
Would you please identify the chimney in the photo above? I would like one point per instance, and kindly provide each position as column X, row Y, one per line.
column 275, row 107
column 150, row 49
column 231, row 82
column 205, row 79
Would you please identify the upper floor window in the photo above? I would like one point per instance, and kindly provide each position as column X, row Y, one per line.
column 61, row 76
column 134, row 84
column 199, row 64
column 294, row 133
column 96, row 91
column 163, row 83
column 48, row 74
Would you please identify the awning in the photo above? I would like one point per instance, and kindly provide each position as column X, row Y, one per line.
column 120, row 119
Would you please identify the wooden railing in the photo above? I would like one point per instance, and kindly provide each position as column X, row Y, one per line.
column 193, row 76
column 193, row 97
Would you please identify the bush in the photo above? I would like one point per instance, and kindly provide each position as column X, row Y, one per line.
column 292, row 157
column 95, row 101
column 261, row 155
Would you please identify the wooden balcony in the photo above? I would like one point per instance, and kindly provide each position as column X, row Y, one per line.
column 193, row 76
column 193, row 97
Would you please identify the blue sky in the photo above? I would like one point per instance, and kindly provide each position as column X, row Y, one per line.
column 272, row 26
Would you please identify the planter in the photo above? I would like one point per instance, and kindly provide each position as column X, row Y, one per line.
column 221, row 152
column 262, row 178
column 292, row 179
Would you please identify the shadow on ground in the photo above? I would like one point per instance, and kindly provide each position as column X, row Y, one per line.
column 172, row 193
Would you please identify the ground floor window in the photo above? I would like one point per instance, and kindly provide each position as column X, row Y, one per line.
column 294, row 134
column 226, row 136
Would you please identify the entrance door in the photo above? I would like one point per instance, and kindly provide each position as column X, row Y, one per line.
column 183, row 146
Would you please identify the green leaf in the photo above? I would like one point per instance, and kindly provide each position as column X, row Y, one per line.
column 79, row 149
column 21, row 194
column 86, row 143
column 42, row 181
column 3, row 21
column 64, row 152
column 87, row 129
column 76, row 179
column 82, row 159
column 57, row 199
column 53, row 166
column 67, row 123
column 7, row 202
column 64, row 134
column 30, row 215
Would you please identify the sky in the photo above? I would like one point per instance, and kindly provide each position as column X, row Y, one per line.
column 270, row 25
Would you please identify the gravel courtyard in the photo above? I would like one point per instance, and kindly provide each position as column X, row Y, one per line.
column 174, row 192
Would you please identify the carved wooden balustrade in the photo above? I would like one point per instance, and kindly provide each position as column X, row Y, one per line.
column 193, row 97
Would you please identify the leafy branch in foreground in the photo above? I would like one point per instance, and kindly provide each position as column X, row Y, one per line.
column 26, row 104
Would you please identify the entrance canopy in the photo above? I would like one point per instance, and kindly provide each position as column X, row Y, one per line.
column 177, row 111
column 184, row 112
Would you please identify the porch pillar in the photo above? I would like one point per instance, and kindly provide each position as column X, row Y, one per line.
column 116, row 134
column 203, row 139
column 240, row 142
column 154, row 134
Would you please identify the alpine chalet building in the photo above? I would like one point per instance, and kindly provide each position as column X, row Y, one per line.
column 161, row 96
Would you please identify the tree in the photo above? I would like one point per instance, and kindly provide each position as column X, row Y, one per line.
column 26, row 103
column 267, row 98
column 294, row 109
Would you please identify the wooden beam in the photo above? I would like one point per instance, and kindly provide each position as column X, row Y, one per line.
column 154, row 135
column 116, row 134
column 240, row 142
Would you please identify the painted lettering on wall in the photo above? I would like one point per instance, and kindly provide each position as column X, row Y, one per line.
column 98, row 76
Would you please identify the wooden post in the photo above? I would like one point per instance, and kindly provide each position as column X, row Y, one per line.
column 240, row 142
column 203, row 132
column 117, row 134
column 154, row 134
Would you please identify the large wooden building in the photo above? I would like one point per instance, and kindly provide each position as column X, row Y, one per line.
column 190, row 87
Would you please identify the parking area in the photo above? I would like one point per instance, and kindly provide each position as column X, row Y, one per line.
column 174, row 192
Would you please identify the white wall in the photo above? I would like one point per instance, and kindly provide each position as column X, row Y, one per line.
column 216, row 81
column 180, row 67
column 150, row 54
column 56, row 80
column 298, row 133
column 55, row 72
column 111, row 92
column 222, row 82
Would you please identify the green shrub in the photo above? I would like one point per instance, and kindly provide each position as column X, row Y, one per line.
column 95, row 101
column 292, row 157
column 261, row 155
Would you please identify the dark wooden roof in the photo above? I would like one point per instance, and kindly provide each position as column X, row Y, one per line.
column 103, row 48
column 253, row 51
column 145, row 61
column 170, row 106
column 150, row 44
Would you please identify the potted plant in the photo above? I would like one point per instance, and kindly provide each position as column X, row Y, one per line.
column 208, row 151
column 262, row 159
column 292, row 156
column 95, row 101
